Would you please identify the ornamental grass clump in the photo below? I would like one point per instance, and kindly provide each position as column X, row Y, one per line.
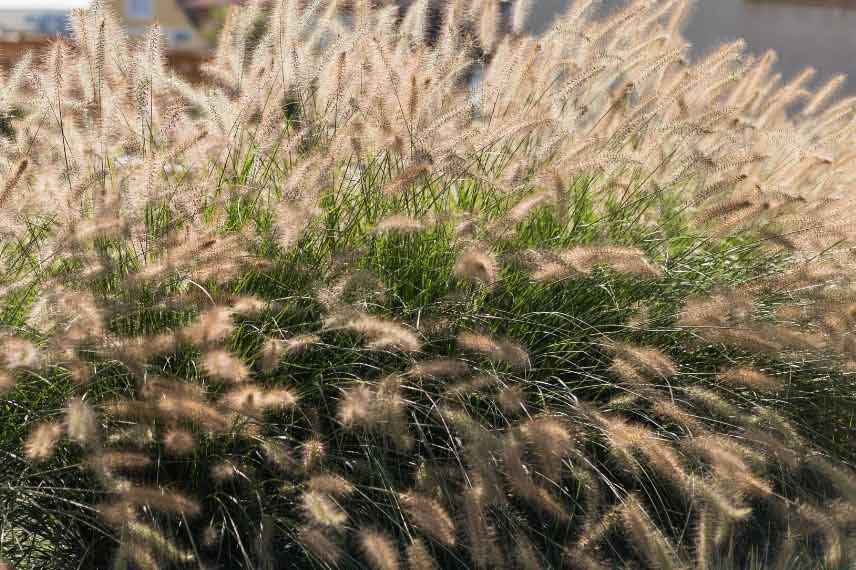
column 400, row 288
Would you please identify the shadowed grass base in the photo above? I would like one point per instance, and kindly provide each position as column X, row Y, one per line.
column 565, row 326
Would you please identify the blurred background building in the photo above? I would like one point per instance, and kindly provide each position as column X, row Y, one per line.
column 20, row 19
column 40, row 19
column 30, row 24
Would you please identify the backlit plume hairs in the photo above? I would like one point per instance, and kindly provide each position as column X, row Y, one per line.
column 637, row 50
column 510, row 202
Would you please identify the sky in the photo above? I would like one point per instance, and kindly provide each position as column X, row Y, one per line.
column 42, row 4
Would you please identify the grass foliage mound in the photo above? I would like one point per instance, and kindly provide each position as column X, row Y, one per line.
column 417, row 290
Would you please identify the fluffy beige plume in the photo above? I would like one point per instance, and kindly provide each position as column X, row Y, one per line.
column 379, row 549
column 141, row 555
column 163, row 387
column 552, row 443
column 628, row 373
column 407, row 177
column 815, row 521
column 254, row 399
column 597, row 526
column 712, row 401
column 622, row 259
column 749, row 378
column 666, row 462
column 12, row 181
column 477, row 265
column 111, row 461
column 481, row 535
column 518, row 477
column 158, row 542
column 312, row 453
column 320, row 545
column 161, row 500
column 212, row 326
column 555, row 266
column 355, row 407
column 716, row 309
column 299, row 343
column 624, row 438
column 80, row 372
column 511, row 399
column 650, row 542
column 356, row 288
column 179, row 441
column 677, row 415
column 19, row 353
column 731, row 463
column 322, row 510
column 499, row 350
column 479, row 382
column 224, row 471
column 278, row 454
column 430, row 517
column 333, row 485
column 117, row 513
column 381, row 333
column 291, row 222
column 439, row 368
column 274, row 350
column 418, row 557
column 398, row 224
column 222, row 365
column 81, row 423
column 380, row 409
column 840, row 476
column 248, row 305
column 648, row 361
column 15, row 81
column 703, row 546
column 43, row 441
column 135, row 351
column 527, row 205
column 175, row 408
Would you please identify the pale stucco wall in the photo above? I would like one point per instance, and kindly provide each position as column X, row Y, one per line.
column 180, row 33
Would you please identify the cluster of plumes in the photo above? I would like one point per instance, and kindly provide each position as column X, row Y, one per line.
column 557, row 265
column 466, row 485
column 589, row 97
column 805, row 309
column 528, row 464
column 132, row 172
column 170, row 415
